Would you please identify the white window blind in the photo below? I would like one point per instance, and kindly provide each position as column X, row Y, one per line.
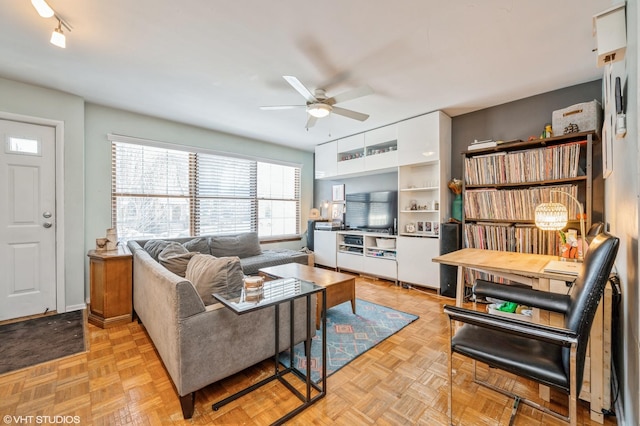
column 162, row 193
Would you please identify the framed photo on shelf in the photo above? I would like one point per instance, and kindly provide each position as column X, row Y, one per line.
column 435, row 228
column 420, row 226
column 338, row 192
column 427, row 227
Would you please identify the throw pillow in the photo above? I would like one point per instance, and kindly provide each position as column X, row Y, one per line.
column 176, row 262
column 211, row 275
column 155, row 247
column 241, row 245
column 201, row 245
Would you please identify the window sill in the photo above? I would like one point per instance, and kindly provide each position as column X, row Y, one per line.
column 281, row 239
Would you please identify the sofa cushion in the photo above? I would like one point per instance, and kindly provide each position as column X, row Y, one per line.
column 176, row 263
column 201, row 245
column 155, row 247
column 211, row 274
column 241, row 245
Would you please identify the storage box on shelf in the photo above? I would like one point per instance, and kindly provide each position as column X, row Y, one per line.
column 503, row 185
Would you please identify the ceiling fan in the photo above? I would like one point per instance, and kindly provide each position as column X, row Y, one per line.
column 319, row 105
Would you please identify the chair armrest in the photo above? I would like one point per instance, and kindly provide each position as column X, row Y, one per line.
column 546, row 300
column 554, row 335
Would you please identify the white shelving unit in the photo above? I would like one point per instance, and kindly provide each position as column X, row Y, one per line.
column 371, row 256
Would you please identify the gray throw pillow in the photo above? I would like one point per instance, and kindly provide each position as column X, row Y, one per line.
column 176, row 258
column 211, row 275
column 201, row 245
column 241, row 245
column 155, row 247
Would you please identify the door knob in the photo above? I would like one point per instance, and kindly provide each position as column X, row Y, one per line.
column 46, row 215
column 47, row 224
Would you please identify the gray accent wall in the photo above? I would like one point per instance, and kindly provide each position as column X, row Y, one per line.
column 515, row 120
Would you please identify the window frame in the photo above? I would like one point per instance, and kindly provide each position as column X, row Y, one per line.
column 193, row 198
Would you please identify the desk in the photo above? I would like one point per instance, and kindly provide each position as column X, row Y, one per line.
column 529, row 269
column 273, row 294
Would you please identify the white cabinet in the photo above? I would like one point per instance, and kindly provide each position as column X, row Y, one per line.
column 381, row 148
column 414, row 261
column 325, row 245
column 368, row 253
column 350, row 156
column 424, row 138
column 325, row 161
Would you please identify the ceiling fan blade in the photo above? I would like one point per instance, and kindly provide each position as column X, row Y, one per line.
column 349, row 113
column 311, row 121
column 350, row 94
column 295, row 83
column 273, row 107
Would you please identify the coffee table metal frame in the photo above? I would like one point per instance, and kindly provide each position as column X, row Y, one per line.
column 281, row 370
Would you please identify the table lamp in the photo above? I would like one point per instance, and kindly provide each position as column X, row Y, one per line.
column 554, row 216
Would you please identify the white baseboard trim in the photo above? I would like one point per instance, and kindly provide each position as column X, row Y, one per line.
column 77, row 307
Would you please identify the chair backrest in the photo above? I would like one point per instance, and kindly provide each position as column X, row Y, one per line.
column 595, row 229
column 586, row 294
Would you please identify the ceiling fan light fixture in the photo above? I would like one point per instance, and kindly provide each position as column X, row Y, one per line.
column 58, row 38
column 42, row 8
column 319, row 110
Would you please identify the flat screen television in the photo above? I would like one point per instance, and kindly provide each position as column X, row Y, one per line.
column 374, row 211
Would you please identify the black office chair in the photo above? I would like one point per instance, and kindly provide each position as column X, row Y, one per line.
column 548, row 355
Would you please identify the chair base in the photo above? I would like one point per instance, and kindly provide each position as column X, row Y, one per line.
column 518, row 399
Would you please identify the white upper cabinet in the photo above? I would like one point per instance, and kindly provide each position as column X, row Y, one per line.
column 421, row 139
column 350, row 155
column 326, row 165
column 381, row 148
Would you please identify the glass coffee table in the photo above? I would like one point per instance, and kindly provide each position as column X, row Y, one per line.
column 272, row 295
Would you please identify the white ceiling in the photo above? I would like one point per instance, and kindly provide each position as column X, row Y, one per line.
column 212, row 63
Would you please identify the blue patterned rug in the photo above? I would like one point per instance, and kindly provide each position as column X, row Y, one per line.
column 349, row 335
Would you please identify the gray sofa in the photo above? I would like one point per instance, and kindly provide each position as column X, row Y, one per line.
column 200, row 344
column 244, row 245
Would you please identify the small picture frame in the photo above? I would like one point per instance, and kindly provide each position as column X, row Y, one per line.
column 427, row 227
column 420, row 226
column 435, row 228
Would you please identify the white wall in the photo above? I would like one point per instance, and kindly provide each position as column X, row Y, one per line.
column 622, row 199
column 33, row 101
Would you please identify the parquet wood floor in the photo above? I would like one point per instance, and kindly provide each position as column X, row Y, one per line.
column 402, row 381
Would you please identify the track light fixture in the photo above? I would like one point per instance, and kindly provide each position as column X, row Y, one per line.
column 57, row 37
column 43, row 8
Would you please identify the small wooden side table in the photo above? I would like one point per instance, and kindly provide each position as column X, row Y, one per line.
column 111, row 274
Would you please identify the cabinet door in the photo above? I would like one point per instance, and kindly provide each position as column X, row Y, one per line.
column 381, row 148
column 324, row 244
column 326, row 164
column 419, row 138
column 415, row 266
column 351, row 154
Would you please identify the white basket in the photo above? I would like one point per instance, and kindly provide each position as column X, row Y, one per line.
column 587, row 116
column 387, row 243
column 493, row 309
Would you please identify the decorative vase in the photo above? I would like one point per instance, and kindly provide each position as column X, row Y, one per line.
column 456, row 209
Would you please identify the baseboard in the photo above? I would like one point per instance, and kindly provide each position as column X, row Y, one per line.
column 77, row 307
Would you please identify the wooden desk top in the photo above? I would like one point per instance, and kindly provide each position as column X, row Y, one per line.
column 523, row 264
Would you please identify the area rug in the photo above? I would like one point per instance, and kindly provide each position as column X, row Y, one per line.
column 349, row 335
column 30, row 342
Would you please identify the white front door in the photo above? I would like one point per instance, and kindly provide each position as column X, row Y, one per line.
column 27, row 219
